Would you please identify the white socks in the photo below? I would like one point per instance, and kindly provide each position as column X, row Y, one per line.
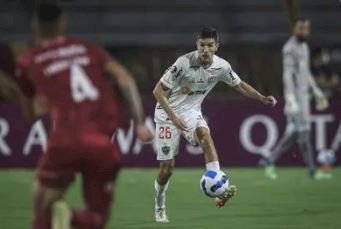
column 213, row 165
column 160, row 197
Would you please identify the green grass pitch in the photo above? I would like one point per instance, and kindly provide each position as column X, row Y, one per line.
column 292, row 201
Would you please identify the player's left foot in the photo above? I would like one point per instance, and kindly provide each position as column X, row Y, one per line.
column 161, row 216
column 61, row 215
column 270, row 172
column 322, row 175
column 231, row 191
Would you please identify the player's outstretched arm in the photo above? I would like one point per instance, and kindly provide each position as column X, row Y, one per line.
column 128, row 87
column 248, row 91
column 130, row 92
column 321, row 102
column 159, row 92
column 9, row 90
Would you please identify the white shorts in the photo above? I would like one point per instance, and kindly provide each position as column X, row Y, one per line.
column 167, row 136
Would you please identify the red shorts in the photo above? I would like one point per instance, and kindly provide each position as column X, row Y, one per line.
column 90, row 153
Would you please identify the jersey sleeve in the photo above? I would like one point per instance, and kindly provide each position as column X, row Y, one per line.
column 229, row 76
column 290, row 68
column 171, row 78
column 21, row 77
column 312, row 83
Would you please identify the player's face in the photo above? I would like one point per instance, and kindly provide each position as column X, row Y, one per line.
column 206, row 49
column 302, row 30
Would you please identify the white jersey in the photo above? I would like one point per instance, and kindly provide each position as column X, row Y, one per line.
column 297, row 78
column 189, row 83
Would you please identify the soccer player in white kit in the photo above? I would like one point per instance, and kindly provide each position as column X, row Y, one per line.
column 299, row 85
column 179, row 94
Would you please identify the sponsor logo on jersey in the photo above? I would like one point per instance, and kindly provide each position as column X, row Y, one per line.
column 187, row 91
column 197, row 92
column 61, row 52
column 165, row 149
column 173, row 69
column 178, row 73
column 231, row 76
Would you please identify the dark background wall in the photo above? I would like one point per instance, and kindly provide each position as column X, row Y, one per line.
column 148, row 35
column 174, row 23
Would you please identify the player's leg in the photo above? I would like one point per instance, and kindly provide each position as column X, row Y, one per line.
column 54, row 176
column 199, row 132
column 161, row 186
column 306, row 150
column 205, row 141
column 304, row 142
column 44, row 200
column 61, row 215
column 165, row 172
column 285, row 143
column 98, row 195
column 167, row 139
column 100, row 166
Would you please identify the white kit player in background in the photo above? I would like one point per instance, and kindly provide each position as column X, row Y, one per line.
column 298, row 84
column 179, row 94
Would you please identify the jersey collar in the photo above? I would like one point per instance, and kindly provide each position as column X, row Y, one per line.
column 194, row 62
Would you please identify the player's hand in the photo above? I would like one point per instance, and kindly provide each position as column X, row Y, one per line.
column 321, row 103
column 291, row 105
column 269, row 100
column 179, row 123
column 143, row 133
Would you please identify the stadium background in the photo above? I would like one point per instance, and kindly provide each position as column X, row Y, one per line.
column 147, row 36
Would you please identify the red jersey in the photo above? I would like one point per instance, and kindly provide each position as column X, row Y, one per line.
column 67, row 75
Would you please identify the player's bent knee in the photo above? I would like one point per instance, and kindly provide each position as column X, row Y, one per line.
column 167, row 171
column 201, row 131
column 166, row 168
column 203, row 136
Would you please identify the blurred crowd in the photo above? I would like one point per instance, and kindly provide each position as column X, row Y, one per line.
column 325, row 69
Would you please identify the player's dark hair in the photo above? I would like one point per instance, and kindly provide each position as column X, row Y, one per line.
column 48, row 12
column 208, row 32
column 48, row 16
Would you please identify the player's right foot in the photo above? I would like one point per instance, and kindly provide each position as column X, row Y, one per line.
column 61, row 215
column 161, row 216
column 231, row 191
column 270, row 172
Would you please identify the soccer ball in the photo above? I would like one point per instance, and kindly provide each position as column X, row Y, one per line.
column 326, row 157
column 214, row 183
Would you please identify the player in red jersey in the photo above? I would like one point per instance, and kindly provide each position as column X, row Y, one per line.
column 67, row 77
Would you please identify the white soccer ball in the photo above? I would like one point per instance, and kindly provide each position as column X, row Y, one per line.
column 326, row 157
column 214, row 183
